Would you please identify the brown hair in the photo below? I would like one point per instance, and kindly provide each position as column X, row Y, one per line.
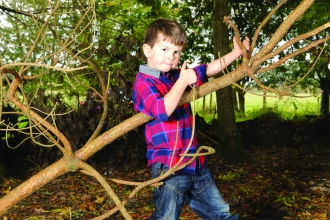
column 171, row 30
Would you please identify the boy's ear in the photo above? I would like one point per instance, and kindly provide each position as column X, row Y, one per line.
column 146, row 50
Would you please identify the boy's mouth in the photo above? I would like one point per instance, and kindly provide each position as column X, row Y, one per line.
column 169, row 64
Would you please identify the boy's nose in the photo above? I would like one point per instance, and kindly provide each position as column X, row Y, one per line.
column 170, row 56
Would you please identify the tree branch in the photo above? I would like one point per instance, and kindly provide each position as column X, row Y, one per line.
column 281, row 31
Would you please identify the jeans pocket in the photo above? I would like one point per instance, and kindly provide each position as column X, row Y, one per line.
column 157, row 169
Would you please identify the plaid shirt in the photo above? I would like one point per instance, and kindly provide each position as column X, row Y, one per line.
column 163, row 133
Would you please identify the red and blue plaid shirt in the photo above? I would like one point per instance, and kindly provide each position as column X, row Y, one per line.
column 163, row 133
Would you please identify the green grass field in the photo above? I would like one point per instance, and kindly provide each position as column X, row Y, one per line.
column 286, row 108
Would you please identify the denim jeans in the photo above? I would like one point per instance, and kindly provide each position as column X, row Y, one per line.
column 198, row 191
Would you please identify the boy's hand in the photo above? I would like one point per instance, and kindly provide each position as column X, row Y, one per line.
column 172, row 98
column 246, row 43
column 187, row 75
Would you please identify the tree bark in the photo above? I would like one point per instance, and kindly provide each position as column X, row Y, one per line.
column 231, row 146
column 241, row 101
column 235, row 99
column 325, row 87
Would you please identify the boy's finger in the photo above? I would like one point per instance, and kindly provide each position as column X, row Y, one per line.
column 184, row 65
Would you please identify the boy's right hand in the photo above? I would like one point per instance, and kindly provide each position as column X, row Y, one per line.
column 172, row 98
column 188, row 76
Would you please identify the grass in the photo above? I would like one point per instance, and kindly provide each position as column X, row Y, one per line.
column 287, row 107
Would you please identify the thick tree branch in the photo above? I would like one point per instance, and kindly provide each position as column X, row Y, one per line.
column 281, row 31
column 293, row 54
column 263, row 23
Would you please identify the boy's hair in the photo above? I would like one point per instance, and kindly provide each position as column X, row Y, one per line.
column 171, row 30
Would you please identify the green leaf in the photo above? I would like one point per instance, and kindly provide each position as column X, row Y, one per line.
column 22, row 124
column 229, row 176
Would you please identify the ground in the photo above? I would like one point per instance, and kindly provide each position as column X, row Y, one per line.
column 285, row 176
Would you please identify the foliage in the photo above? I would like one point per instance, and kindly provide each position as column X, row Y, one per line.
column 111, row 39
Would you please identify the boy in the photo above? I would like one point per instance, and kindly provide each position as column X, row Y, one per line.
column 157, row 92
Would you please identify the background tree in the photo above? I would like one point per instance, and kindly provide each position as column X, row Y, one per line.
column 231, row 146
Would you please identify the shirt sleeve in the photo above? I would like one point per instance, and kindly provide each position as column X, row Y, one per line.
column 148, row 99
column 201, row 74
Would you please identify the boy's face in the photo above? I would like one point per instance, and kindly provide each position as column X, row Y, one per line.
column 164, row 56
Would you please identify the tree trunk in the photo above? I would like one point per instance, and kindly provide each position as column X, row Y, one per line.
column 241, row 101
column 235, row 101
column 325, row 87
column 231, row 147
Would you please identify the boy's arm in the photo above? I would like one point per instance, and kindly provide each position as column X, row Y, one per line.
column 172, row 98
column 188, row 76
column 214, row 67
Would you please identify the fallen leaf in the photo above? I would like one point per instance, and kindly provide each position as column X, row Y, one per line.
column 39, row 210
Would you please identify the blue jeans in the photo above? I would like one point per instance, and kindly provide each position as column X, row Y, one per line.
column 198, row 191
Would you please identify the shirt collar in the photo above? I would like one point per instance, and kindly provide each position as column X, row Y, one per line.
column 150, row 71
